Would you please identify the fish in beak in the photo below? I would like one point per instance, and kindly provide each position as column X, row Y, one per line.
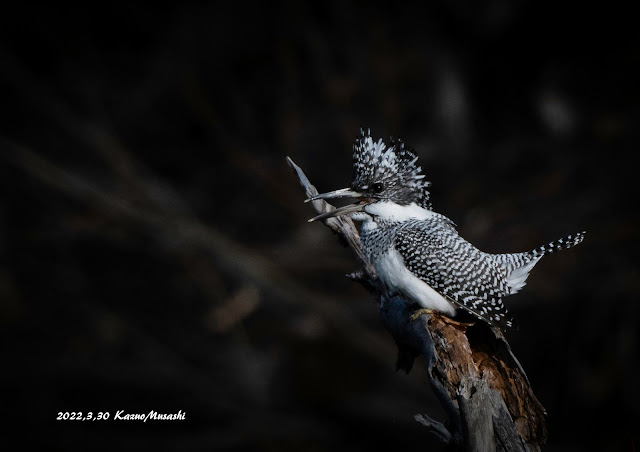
column 342, row 193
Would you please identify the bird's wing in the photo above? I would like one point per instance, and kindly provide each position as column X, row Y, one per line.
column 435, row 253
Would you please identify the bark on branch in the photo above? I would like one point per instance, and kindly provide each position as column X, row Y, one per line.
column 479, row 382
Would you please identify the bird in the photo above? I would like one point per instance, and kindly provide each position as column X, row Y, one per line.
column 418, row 252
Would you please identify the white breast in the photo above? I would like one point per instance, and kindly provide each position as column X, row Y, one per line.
column 395, row 275
column 395, row 212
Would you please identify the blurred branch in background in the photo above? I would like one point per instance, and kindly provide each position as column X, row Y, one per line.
column 177, row 230
column 139, row 198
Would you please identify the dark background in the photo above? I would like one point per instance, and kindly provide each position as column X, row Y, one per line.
column 154, row 249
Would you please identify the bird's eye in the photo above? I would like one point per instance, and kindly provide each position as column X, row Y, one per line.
column 377, row 187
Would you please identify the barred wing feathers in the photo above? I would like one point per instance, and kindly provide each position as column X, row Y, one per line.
column 450, row 265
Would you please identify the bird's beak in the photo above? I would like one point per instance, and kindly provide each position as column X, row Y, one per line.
column 342, row 193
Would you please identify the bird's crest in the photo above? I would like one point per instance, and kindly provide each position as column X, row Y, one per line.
column 394, row 166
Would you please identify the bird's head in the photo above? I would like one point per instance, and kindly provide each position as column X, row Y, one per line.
column 381, row 175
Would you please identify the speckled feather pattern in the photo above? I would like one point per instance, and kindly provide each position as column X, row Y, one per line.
column 512, row 261
column 394, row 166
column 469, row 278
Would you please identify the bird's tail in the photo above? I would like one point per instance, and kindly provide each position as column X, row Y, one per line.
column 560, row 244
column 518, row 265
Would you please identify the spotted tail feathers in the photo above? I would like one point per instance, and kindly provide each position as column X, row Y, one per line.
column 560, row 244
column 518, row 265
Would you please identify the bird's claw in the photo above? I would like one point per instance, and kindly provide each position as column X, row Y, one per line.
column 419, row 312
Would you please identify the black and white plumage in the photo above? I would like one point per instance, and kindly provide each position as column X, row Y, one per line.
column 394, row 168
column 418, row 252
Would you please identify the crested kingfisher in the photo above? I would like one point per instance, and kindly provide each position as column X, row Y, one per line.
column 417, row 252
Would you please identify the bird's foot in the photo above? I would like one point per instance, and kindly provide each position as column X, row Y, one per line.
column 444, row 318
column 457, row 322
column 421, row 311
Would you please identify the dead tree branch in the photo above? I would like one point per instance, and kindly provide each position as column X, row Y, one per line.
column 480, row 384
